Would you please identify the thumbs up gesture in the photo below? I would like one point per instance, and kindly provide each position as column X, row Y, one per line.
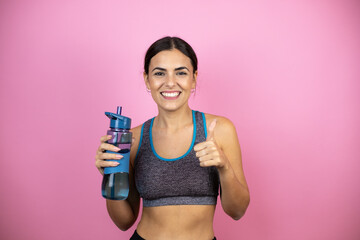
column 208, row 152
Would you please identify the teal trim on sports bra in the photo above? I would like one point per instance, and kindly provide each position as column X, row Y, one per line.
column 141, row 135
column 204, row 122
column 188, row 151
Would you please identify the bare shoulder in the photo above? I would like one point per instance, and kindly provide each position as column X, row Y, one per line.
column 223, row 124
column 224, row 132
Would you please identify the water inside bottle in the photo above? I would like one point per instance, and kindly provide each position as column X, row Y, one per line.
column 115, row 186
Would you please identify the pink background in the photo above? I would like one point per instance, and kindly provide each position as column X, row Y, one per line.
column 285, row 72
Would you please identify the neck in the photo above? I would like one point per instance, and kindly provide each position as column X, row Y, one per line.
column 173, row 119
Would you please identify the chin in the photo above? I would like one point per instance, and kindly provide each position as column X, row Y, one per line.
column 170, row 107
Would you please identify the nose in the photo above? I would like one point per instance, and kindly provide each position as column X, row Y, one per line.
column 170, row 80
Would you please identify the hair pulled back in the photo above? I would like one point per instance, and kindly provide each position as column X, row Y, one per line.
column 169, row 43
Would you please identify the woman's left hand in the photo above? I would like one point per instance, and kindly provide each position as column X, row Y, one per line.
column 209, row 153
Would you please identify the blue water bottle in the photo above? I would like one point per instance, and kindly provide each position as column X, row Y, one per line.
column 115, row 184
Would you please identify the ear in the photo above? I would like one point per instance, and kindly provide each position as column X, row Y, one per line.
column 194, row 80
column 146, row 80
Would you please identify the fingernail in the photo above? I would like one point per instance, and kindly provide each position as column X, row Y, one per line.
column 118, row 156
column 116, row 149
column 114, row 163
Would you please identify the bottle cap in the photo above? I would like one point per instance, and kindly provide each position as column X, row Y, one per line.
column 117, row 121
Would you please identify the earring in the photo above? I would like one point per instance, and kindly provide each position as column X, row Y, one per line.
column 192, row 90
column 148, row 90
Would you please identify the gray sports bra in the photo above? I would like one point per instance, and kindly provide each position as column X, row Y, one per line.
column 179, row 181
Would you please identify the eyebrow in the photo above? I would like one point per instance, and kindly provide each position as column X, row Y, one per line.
column 176, row 69
column 181, row 68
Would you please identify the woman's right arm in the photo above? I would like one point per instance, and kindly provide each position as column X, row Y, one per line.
column 122, row 212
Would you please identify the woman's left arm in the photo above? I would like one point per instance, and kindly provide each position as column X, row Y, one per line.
column 222, row 150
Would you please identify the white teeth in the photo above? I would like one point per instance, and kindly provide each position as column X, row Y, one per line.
column 172, row 94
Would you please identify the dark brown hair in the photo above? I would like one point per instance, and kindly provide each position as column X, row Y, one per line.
column 169, row 43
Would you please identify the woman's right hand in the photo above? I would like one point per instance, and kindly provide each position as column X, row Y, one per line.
column 101, row 158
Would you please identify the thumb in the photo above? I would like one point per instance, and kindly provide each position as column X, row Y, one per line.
column 210, row 134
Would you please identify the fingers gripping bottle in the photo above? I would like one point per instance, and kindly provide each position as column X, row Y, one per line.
column 115, row 184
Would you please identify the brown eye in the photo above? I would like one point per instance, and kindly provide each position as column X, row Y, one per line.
column 159, row 74
column 181, row 73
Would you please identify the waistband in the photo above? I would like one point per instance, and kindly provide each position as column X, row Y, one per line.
column 181, row 200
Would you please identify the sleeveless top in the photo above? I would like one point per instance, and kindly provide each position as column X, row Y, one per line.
column 178, row 181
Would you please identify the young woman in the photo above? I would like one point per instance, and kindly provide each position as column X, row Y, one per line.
column 179, row 158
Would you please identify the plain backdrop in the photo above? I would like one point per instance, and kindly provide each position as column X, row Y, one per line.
column 286, row 73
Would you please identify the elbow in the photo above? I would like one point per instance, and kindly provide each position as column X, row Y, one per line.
column 236, row 218
column 237, row 214
column 124, row 227
column 124, row 223
column 122, row 216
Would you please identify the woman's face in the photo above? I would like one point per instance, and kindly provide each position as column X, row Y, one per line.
column 170, row 79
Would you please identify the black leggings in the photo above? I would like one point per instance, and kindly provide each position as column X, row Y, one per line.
column 136, row 236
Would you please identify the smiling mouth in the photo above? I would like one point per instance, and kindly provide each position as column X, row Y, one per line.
column 170, row 94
